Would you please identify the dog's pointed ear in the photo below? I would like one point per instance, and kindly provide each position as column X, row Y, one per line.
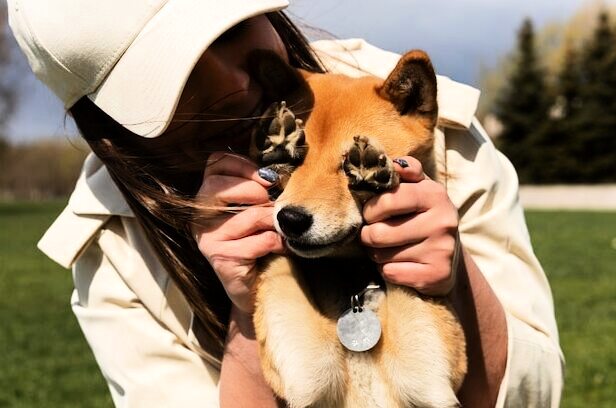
column 277, row 78
column 411, row 86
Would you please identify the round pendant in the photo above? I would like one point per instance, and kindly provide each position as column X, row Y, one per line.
column 359, row 331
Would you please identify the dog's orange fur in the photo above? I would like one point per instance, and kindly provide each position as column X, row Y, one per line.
column 420, row 359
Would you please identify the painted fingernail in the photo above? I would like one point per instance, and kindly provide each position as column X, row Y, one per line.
column 402, row 163
column 268, row 174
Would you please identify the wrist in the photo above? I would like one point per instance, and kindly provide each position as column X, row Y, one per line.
column 241, row 323
column 241, row 378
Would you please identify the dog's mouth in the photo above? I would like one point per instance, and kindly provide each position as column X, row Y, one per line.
column 312, row 249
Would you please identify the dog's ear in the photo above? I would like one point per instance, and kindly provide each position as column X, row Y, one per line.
column 277, row 78
column 411, row 87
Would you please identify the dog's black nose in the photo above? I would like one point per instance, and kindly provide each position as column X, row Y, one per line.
column 294, row 221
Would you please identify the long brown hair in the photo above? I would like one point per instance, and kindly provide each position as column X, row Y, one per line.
column 163, row 202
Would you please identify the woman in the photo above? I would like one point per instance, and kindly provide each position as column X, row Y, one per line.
column 157, row 89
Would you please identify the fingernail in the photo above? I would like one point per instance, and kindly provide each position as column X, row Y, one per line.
column 402, row 163
column 268, row 174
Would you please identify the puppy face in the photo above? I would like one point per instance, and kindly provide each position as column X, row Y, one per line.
column 334, row 140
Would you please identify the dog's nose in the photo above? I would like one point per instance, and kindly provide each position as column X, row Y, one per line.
column 294, row 221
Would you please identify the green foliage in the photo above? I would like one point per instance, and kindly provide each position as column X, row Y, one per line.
column 552, row 41
column 569, row 84
column 523, row 106
column 597, row 113
column 557, row 141
column 8, row 89
column 44, row 358
column 562, row 131
column 41, row 169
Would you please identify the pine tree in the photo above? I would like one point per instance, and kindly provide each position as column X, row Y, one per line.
column 597, row 116
column 569, row 88
column 559, row 141
column 8, row 90
column 522, row 107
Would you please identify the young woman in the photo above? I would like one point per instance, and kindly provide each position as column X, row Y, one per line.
column 161, row 91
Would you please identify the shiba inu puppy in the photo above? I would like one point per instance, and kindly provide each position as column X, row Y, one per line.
column 332, row 143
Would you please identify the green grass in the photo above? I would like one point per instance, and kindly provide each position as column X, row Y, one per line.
column 45, row 362
column 578, row 253
column 44, row 359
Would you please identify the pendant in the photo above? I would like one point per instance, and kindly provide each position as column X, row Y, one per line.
column 359, row 329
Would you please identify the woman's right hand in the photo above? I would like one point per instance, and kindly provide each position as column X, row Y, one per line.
column 233, row 242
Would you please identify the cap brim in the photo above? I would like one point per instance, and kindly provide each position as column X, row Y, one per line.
column 143, row 89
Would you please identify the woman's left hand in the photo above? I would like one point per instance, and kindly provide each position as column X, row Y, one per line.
column 412, row 232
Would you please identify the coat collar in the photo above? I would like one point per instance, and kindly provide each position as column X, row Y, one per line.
column 95, row 199
column 96, row 193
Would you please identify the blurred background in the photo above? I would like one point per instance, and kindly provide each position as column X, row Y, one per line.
column 547, row 72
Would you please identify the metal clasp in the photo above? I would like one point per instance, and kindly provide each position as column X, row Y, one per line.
column 357, row 300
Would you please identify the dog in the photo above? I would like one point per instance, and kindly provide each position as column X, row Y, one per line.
column 331, row 139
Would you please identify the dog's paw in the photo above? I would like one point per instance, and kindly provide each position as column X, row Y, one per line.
column 279, row 137
column 368, row 168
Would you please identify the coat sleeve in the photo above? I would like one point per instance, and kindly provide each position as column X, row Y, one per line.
column 483, row 185
column 144, row 363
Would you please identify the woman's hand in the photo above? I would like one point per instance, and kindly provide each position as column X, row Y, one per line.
column 232, row 242
column 412, row 232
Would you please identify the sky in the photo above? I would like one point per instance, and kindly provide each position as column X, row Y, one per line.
column 460, row 36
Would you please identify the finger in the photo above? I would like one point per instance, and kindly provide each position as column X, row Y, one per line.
column 418, row 276
column 250, row 247
column 394, row 232
column 410, row 169
column 230, row 189
column 410, row 229
column 407, row 198
column 230, row 164
column 236, row 226
column 431, row 249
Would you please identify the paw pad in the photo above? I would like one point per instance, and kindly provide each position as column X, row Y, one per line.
column 279, row 137
column 368, row 167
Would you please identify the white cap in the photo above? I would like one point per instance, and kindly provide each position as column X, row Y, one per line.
column 130, row 57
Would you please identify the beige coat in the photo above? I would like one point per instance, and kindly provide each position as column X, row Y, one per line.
column 139, row 325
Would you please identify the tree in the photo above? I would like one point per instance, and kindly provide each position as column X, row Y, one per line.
column 559, row 141
column 597, row 114
column 552, row 40
column 7, row 84
column 522, row 107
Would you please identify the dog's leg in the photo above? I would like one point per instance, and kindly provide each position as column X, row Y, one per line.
column 419, row 352
column 301, row 356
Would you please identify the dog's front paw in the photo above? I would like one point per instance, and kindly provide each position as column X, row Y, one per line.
column 279, row 137
column 368, row 168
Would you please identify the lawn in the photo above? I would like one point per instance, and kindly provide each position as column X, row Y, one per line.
column 46, row 363
column 44, row 360
column 578, row 252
